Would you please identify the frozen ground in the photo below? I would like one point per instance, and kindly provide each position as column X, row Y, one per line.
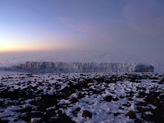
column 91, row 98
column 3, row 72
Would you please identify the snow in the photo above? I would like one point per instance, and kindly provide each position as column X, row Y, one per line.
column 93, row 88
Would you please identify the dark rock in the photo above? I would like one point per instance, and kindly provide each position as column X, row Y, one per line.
column 154, row 78
column 141, row 95
column 62, row 118
column 130, row 99
column 141, row 109
column 149, row 118
column 76, row 111
column 86, row 114
column 161, row 81
column 151, row 99
column 80, row 96
column 141, row 88
column 122, row 97
column 4, row 121
column 73, row 100
column 116, row 114
column 138, row 121
column 131, row 114
column 110, row 98
column 127, row 105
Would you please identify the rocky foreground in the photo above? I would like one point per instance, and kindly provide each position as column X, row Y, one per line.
column 67, row 98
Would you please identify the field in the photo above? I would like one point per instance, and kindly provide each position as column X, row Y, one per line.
column 82, row 97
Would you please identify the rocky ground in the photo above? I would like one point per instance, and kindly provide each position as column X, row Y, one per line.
column 91, row 97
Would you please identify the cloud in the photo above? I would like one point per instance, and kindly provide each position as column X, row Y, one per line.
column 78, row 26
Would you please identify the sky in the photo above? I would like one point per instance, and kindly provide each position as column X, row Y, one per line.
column 109, row 25
column 105, row 28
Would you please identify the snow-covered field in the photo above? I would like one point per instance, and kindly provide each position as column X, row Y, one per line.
column 4, row 72
column 89, row 97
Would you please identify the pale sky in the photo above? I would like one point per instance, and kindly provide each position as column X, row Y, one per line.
column 125, row 26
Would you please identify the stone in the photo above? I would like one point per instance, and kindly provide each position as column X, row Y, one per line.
column 161, row 81
column 73, row 100
column 131, row 114
column 86, row 114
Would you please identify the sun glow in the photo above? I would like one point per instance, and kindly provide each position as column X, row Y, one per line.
column 14, row 48
column 9, row 48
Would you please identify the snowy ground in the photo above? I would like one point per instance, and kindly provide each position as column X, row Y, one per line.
column 91, row 98
column 4, row 72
